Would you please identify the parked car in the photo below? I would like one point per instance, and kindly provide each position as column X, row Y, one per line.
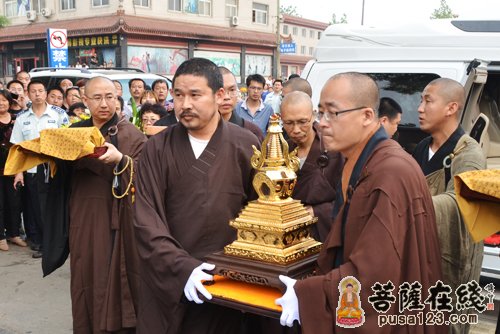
column 51, row 76
column 404, row 59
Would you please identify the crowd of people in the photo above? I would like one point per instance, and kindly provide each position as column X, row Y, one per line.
column 143, row 216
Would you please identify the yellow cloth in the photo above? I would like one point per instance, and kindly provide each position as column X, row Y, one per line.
column 63, row 143
column 245, row 293
column 478, row 197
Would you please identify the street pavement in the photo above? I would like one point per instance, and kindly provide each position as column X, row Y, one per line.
column 31, row 304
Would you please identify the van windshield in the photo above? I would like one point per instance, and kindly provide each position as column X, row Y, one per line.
column 405, row 89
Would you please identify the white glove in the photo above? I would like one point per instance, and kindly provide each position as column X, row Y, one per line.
column 194, row 283
column 289, row 303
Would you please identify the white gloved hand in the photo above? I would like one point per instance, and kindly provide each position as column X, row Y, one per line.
column 194, row 283
column 289, row 303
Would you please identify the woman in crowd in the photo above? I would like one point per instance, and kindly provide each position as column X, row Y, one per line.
column 150, row 113
column 10, row 197
column 149, row 96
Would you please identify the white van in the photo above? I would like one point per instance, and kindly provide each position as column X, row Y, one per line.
column 404, row 59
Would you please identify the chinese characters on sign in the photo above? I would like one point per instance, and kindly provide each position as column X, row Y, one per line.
column 93, row 41
column 287, row 48
column 57, row 46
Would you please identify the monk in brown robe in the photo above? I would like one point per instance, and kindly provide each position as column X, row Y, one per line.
column 193, row 178
column 385, row 227
column 319, row 171
column 98, row 192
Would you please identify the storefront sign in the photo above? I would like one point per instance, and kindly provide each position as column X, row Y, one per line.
column 57, row 47
column 287, row 48
column 93, row 41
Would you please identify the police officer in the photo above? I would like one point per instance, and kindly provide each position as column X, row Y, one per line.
column 28, row 125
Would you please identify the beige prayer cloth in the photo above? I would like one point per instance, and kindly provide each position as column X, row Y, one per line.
column 478, row 197
column 63, row 143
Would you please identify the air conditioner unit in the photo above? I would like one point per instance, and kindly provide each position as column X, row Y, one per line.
column 31, row 15
column 234, row 21
column 46, row 12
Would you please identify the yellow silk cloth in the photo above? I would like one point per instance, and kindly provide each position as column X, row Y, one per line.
column 245, row 293
column 63, row 143
column 478, row 197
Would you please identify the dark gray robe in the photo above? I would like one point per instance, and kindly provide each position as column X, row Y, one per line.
column 183, row 210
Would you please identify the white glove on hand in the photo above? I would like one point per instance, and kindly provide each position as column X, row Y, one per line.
column 194, row 284
column 289, row 303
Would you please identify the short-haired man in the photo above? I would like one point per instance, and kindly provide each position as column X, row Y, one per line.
column 273, row 99
column 55, row 96
column 192, row 179
column 229, row 102
column 296, row 84
column 28, row 125
column 384, row 227
column 253, row 109
column 104, row 262
column 160, row 87
column 320, row 171
column 20, row 103
column 65, row 84
column 389, row 114
column 25, row 78
column 72, row 96
column 136, row 87
column 448, row 151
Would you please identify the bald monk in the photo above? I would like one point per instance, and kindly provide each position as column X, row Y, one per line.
column 296, row 84
column 443, row 101
column 316, row 179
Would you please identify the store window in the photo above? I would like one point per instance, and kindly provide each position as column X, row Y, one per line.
column 100, row 3
column 259, row 13
column 67, row 4
column 231, row 8
column 205, row 7
column 141, row 3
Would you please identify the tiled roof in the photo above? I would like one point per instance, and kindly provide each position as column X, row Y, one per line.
column 301, row 22
column 135, row 25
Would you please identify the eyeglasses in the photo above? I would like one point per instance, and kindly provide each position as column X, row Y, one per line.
column 329, row 115
column 301, row 123
column 232, row 92
column 98, row 99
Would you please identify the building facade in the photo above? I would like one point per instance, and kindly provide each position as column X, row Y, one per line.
column 298, row 38
column 153, row 35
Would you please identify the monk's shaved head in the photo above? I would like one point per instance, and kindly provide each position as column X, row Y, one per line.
column 296, row 98
column 297, row 84
column 451, row 91
column 363, row 89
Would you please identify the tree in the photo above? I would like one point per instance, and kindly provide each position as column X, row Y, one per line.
column 443, row 12
column 343, row 19
column 4, row 21
column 290, row 10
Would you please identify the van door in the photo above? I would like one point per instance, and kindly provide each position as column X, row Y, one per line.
column 474, row 85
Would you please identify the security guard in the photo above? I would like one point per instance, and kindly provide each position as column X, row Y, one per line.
column 28, row 125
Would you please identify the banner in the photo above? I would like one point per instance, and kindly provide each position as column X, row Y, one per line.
column 57, row 47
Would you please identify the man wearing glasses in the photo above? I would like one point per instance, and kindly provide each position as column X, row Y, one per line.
column 253, row 109
column 320, row 170
column 384, row 227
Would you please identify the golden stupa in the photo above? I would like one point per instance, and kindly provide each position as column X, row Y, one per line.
column 274, row 231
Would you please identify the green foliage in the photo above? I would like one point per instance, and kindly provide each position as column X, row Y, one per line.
column 443, row 12
column 4, row 21
column 290, row 10
column 343, row 19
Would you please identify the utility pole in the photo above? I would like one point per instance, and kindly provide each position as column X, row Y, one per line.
column 363, row 12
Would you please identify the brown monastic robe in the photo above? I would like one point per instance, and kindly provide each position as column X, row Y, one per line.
column 104, row 262
column 316, row 186
column 390, row 234
column 183, row 210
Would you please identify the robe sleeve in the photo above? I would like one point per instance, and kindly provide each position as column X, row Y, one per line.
column 375, row 257
column 165, row 263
